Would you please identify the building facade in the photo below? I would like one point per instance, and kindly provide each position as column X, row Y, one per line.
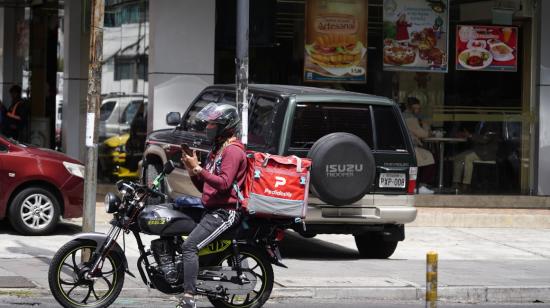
column 170, row 50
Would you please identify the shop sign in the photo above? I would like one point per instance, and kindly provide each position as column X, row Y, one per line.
column 336, row 41
column 416, row 35
column 486, row 48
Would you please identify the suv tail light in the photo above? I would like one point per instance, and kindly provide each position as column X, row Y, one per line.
column 413, row 171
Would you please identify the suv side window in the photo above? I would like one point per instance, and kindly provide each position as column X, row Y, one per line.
column 388, row 129
column 260, row 128
column 190, row 123
column 130, row 112
column 3, row 148
column 106, row 110
column 313, row 121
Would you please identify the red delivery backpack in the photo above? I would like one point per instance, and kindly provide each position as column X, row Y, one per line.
column 276, row 186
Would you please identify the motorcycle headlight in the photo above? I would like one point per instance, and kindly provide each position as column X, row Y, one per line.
column 112, row 203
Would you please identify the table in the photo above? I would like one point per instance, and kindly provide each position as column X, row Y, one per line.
column 440, row 141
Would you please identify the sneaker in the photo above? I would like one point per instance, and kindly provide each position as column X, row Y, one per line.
column 425, row 190
column 187, row 302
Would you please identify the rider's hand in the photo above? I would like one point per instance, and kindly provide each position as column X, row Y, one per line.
column 190, row 162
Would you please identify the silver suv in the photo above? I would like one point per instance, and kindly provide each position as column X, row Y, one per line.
column 364, row 169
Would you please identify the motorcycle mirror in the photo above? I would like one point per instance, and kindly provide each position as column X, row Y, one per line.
column 168, row 167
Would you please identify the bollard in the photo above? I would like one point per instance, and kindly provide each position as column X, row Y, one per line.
column 431, row 279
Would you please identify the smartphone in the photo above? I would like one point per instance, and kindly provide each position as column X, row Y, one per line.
column 186, row 149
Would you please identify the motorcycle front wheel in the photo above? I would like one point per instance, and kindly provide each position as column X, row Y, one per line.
column 68, row 279
column 254, row 260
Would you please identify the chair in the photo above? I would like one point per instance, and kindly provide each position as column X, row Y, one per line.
column 485, row 176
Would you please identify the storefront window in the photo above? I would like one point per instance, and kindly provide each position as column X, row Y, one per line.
column 487, row 111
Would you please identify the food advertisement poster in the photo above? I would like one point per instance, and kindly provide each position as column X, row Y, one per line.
column 416, row 35
column 336, row 41
column 486, row 48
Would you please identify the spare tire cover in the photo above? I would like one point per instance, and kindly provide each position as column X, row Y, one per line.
column 343, row 168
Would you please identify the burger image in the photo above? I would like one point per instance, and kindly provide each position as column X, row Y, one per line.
column 335, row 50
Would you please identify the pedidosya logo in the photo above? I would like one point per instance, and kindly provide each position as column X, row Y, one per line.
column 343, row 170
column 279, row 181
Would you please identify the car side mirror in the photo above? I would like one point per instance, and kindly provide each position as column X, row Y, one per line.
column 168, row 167
column 173, row 119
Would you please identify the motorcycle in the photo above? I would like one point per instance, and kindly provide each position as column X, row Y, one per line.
column 235, row 270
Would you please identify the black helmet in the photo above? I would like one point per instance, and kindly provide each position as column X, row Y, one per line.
column 226, row 116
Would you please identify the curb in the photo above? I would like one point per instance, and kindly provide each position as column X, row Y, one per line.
column 470, row 294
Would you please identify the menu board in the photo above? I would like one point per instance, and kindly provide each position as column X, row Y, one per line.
column 416, row 35
column 336, row 41
column 486, row 48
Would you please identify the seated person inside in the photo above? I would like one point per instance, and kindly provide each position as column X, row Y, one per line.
column 485, row 142
column 420, row 130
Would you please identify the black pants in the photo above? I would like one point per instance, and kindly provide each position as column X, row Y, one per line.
column 212, row 225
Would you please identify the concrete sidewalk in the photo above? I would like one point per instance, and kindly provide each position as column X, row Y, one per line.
column 476, row 265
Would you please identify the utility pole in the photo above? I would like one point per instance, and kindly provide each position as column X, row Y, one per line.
column 92, row 115
column 242, row 65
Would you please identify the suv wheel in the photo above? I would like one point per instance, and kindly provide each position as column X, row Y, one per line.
column 373, row 246
column 34, row 211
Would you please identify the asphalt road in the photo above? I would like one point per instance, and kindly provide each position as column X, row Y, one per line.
column 475, row 265
column 282, row 303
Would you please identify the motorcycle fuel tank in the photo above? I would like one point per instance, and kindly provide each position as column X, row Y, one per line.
column 164, row 220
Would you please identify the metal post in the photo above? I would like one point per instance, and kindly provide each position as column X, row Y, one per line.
column 431, row 280
column 92, row 116
column 242, row 65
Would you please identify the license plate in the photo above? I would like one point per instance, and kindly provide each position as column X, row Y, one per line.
column 392, row 180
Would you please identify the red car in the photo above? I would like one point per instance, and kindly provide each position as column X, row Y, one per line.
column 37, row 186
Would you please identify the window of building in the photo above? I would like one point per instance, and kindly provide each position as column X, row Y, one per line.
column 131, row 67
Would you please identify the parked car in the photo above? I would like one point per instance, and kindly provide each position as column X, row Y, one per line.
column 38, row 186
column 116, row 114
column 119, row 155
column 364, row 170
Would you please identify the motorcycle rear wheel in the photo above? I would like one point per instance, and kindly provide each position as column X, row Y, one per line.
column 262, row 269
column 69, row 285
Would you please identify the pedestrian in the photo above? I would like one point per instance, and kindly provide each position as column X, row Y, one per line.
column 420, row 130
column 16, row 116
column 225, row 166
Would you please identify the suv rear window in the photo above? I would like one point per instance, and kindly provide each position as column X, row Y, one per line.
column 388, row 129
column 315, row 120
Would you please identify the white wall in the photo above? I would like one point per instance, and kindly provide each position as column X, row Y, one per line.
column 181, row 57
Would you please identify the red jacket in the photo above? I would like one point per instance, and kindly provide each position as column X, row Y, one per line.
column 217, row 177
